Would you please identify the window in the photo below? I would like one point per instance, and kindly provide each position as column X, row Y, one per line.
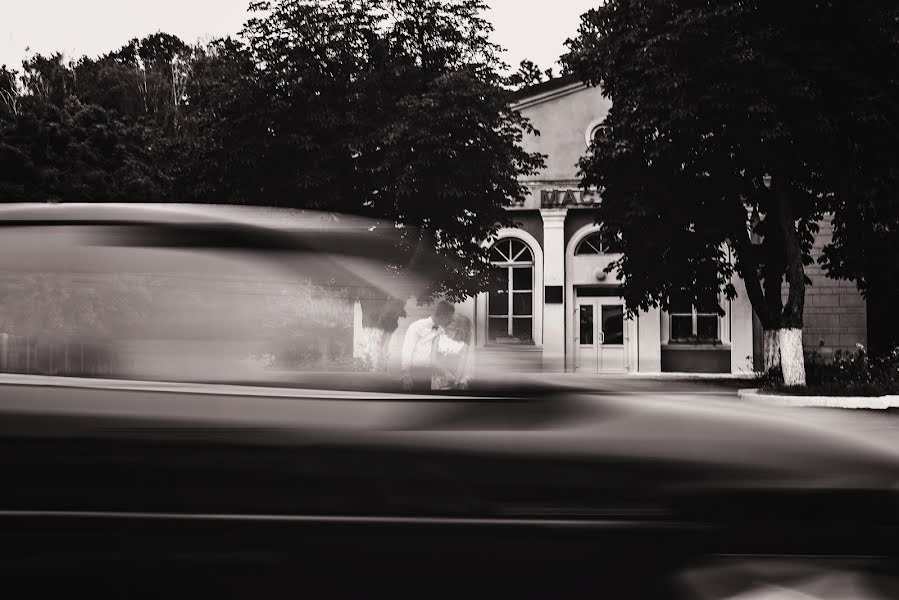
column 693, row 324
column 510, row 305
column 593, row 132
column 592, row 244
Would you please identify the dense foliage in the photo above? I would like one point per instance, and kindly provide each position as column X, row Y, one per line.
column 393, row 109
column 845, row 374
column 783, row 110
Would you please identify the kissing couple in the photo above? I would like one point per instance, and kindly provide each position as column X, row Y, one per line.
column 437, row 351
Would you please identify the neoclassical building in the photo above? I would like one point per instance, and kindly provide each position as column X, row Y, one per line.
column 562, row 312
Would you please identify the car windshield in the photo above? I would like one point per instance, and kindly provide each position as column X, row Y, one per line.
column 104, row 301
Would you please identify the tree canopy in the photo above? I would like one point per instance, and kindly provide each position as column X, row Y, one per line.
column 735, row 108
column 92, row 130
column 392, row 109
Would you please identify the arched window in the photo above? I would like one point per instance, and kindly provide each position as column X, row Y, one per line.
column 592, row 244
column 510, row 306
column 593, row 133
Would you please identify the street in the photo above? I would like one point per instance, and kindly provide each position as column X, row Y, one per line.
column 578, row 402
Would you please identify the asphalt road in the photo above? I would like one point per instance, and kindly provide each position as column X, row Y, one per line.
column 586, row 402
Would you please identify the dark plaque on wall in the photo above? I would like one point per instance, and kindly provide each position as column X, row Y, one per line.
column 553, row 294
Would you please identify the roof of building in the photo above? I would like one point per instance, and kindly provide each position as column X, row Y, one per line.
column 543, row 87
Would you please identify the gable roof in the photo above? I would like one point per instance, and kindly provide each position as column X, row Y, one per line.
column 546, row 91
column 543, row 87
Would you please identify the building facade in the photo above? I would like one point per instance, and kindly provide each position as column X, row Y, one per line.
column 562, row 312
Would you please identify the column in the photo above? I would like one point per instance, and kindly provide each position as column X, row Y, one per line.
column 553, row 275
column 357, row 330
column 740, row 331
column 649, row 359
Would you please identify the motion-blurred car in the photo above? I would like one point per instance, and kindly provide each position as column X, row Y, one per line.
column 152, row 479
column 194, row 293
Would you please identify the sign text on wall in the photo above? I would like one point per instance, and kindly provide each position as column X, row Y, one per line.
column 562, row 198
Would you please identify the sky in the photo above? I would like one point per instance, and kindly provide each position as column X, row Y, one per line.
column 532, row 29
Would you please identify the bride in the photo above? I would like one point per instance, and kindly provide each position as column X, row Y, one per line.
column 450, row 356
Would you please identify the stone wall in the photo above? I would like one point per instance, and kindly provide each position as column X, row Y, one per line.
column 835, row 314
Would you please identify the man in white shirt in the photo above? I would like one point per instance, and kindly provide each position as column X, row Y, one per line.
column 417, row 345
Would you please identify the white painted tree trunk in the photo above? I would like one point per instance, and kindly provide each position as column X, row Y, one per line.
column 372, row 347
column 792, row 360
column 771, row 350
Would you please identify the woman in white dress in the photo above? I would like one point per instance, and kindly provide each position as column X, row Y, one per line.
column 450, row 356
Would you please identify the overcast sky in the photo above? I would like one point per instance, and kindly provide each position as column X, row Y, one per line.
column 533, row 29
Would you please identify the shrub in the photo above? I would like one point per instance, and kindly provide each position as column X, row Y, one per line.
column 845, row 374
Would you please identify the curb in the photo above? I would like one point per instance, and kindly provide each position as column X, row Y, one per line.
column 856, row 402
column 207, row 389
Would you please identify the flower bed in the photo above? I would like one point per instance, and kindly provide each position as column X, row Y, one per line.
column 845, row 374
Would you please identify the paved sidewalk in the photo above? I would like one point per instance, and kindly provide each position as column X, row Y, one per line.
column 851, row 402
column 725, row 386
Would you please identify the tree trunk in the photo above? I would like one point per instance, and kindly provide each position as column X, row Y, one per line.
column 790, row 338
column 65, row 368
column 771, row 350
column 81, row 372
column 756, row 279
column 28, row 355
column 380, row 318
column 373, row 348
column 792, row 359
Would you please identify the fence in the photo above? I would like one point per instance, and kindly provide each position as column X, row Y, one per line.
column 74, row 358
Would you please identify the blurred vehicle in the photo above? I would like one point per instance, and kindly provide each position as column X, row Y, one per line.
column 190, row 488
column 194, row 293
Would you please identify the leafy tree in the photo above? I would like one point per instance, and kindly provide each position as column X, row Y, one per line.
column 734, row 106
column 75, row 153
column 47, row 79
column 50, row 310
column 10, row 95
column 145, row 80
column 529, row 74
column 392, row 109
column 94, row 130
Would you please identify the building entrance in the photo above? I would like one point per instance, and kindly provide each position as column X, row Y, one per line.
column 600, row 342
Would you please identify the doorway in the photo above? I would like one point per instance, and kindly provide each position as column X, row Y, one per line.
column 600, row 337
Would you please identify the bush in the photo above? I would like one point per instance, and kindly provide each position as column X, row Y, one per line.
column 845, row 374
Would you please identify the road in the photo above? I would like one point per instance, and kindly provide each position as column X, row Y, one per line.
column 587, row 400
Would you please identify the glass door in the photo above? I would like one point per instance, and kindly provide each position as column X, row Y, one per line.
column 586, row 342
column 612, row 352
column 601, row 340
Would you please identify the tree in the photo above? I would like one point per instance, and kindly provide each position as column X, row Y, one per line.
column 10, row 94
column 143, row 81
column 866, row 229
column 53, row 309
column 82, row 131
column 724, row 109
column 391, row 109
column 529, row 74
column 75, row 153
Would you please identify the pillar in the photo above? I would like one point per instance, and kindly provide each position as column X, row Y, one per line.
column 553, row 275
column 357, row 330
column 649, row 343
column 741, row 347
